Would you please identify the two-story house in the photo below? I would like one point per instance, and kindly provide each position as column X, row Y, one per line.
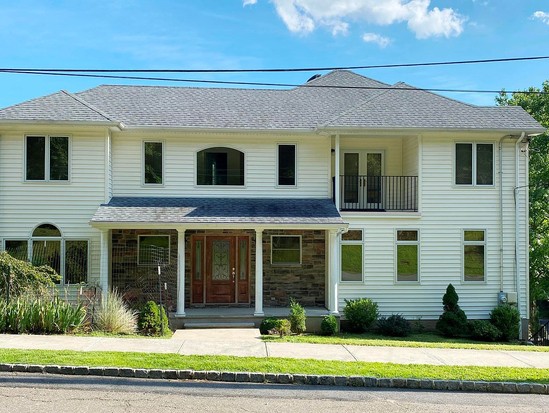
column 342, row 188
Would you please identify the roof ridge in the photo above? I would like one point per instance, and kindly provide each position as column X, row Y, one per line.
column 437, row 95
column 89, row 105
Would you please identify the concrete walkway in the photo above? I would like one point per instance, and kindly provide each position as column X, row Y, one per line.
column 247, row 342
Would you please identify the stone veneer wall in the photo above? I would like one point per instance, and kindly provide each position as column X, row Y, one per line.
column 306, row 282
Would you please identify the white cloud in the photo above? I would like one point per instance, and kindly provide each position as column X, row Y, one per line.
column 248, row 2
column 304, row 16
column 541, row 15
column 381, row 41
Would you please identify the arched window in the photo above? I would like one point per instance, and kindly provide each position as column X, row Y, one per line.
column 220, row 166
column 46, row 246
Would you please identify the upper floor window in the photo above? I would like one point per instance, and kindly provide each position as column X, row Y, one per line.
column 474, row 164
column 220, row 166
column 47, row 158
column 286, row 165
column 153, row 159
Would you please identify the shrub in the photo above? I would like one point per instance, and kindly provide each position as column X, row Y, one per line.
column 153, row 320
column 453, row 321
column 507, row 320
column 360, row 314
column 297, row 317
column 282, row 327
column 267, row 325
column 394, row 326
column 328, row 326
column 483, row 330
column 114, row 316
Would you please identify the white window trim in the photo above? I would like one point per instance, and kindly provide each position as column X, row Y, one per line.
column 474, row 165
column 463, row 244
column 278, row 185
column 47, row 159
column 287, row 264
column 151, row 185
column 216, row 187
column 153, row 235
column 351, row 242
column 418, row 243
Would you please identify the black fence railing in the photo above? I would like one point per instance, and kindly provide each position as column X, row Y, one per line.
column 541, row 337
column 378, row 193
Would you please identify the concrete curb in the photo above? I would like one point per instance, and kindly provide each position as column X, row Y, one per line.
column 283, row 378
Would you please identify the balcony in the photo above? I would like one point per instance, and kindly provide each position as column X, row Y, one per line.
column 378, row 193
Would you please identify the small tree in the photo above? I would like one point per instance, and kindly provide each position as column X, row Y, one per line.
column 453, row 321
column 297, row 317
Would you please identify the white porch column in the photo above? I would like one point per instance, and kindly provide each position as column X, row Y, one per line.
column 258, row 272
column 337, row 178
column 104, row 264
column 180, row 311
column 333, row 295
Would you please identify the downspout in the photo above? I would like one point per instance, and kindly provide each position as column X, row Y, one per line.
column 517, row 269
column 500, row 155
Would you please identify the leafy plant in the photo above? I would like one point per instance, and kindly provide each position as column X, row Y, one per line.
column 483, row 330
column 282, row 327
column 114, row 316
column 153, row 320
column 453, row 321
column 507, row 320
column 360, row 314
column 297, row 317
column 267, row 324
column 328, row 326
column 394, row 326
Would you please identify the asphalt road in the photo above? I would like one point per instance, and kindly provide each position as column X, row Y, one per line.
column 60, row 394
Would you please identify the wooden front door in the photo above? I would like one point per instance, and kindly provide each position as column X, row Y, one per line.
column 220, row 269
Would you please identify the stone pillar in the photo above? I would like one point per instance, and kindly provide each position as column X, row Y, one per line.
column 104, row 264
column 258, row 272
column 180, row 311
column 333, row 304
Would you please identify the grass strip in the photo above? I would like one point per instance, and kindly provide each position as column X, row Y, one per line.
column 423, row 340
column 272, row 365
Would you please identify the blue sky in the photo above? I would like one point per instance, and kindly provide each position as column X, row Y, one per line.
column 240, row 34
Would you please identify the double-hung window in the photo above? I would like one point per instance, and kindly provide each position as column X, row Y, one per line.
column 474, row 255
column 407, row 255
column 285, row 250
column 153, row 169
column 474, row 164
column 47, row 158
column 352, row 257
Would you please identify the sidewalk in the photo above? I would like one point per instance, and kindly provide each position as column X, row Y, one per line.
column 247, row 342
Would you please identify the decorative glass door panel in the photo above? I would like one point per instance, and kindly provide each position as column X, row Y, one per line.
column 362, row 183
column 221, row 266
column 220, row 270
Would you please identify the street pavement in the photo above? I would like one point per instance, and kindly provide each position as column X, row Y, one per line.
column 247, row 342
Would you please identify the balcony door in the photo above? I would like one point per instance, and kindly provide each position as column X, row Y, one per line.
column 362, row 180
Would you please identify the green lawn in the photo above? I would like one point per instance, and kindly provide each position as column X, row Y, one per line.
column 272, row 365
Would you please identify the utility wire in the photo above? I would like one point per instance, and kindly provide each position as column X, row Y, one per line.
column 304, row 69
column 239, row 83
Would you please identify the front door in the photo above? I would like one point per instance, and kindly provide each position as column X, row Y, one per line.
column 362, row 180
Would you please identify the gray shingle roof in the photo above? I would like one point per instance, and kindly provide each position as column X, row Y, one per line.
column 339, row 99
column 218, row 210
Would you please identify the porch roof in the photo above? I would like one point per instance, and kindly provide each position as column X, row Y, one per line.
column 252, row 212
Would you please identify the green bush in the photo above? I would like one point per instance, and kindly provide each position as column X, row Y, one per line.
column 267, row 325
column 153, row 320
column 114, row 316
column 483, row 330
column 360, row 314
column 328, row 326
column 297, row 317
column 394, row 326
column 453, row 321
column 282, row 327
column 507, row 320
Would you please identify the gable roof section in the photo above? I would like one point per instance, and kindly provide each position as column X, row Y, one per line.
column 340, row 99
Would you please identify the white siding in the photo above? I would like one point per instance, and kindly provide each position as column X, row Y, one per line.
column 260, row 159
column 446, row 211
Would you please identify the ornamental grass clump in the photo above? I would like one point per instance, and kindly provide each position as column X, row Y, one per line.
column 114, row 316
column 453, row 321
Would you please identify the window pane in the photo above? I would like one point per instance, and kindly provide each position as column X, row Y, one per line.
column 36, row 157
column 352, row 235
column 59, row 158
column 473, row 235
column 198, row 260
column 464, row 163
column 46, row 230
column 243, row 264
column 485, row 164
column 154, row 249
column 153, row 162
column 220, row 166
column 407, row 235
column 47, row 253
column 351, row 262
column 286, row 242
column 17, row 249
column 286, row 164
column 407, row 262
column 473, row 258
column 76, row 262
column 286, row 257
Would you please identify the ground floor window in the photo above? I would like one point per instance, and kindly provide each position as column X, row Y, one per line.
column 474, row 255
column 153, row 250
column 285, row 249
column 407, row 255
column 352, row 257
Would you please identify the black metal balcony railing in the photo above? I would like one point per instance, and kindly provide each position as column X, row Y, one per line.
column 378, row 193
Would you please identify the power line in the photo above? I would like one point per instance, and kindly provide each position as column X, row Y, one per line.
column 239, row 83
column 304, row 69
